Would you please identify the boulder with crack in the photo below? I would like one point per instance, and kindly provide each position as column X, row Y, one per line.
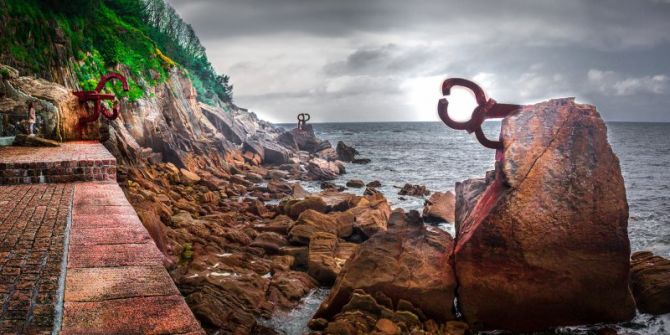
column 542, row 241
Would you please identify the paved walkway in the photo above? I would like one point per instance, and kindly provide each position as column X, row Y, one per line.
column 32, row 225
column 113, row 280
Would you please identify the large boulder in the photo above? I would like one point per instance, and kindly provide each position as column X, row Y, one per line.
column 440, row 207
column 650, row 282
column 311, row 222
column 305, row 139
column 270, row 152
column 294, row 207
column 542, row 241
column 371, row 215
column 414, row 190
column 321, row 169
column 327, row 255
column 408, row 262
column 345, row 153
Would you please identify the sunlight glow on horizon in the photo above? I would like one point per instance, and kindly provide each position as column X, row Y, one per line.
column 424, row 93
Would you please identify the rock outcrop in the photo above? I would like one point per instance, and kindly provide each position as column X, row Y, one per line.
column 650, row 282
column 542, row 241
column 408, row 265
column 414, row 190
column 440, row 207
column 346, row 153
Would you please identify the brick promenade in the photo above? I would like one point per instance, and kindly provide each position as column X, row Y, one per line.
column 32, row 225
column 113, row 280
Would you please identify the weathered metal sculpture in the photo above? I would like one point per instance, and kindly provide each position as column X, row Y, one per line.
column 97, row 97
column 302, row 120
column 486, row 109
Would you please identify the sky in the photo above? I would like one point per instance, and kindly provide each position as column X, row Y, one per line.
column 374, row 60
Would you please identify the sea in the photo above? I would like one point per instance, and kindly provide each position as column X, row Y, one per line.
column 431, row 154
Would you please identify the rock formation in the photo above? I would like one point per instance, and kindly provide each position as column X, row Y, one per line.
column 440, row 207
column 414, row 190
column 542, row 241
column 408, row 265
column 650, row 282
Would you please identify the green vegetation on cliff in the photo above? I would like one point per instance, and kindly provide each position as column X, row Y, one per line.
column 147, row 36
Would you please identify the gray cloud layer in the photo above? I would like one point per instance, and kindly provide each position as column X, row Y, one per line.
column 379, row 60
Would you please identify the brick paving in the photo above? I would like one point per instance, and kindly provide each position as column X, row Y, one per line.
column 33, row 220
column 72, row 161
column 114, row 281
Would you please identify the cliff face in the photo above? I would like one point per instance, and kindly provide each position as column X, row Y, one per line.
column 168, row 125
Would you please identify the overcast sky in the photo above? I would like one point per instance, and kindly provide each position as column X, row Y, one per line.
column 375, row 60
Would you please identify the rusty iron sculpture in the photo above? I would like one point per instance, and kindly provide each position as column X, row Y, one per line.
column 486, row 109
column 96, row 97
column 302, row 120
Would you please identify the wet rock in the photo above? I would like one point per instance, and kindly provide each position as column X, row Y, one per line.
column 650, row 282
column 440, row 207
column 306, row 139
column 311, row 222
column 345, row 153
column 545, row 236
column 294, row 207
column 276, row 174
column 254, row 177
column 414, row 190
column 269, row 152
column 270, row 242
column 279, row 225
column 355, row 183
column 276, row 186
column 328, row 154
column 372, row 191
column 339, row 201
column 299, row 254
column 298, row 192
column 320, row 169
column 371, row 215
column 327, row 256
column 274, row 153
column 288, row 288
column 374, row 184
column 329, row 186
column 363, row 314
column 410, row 262
column 286, row 139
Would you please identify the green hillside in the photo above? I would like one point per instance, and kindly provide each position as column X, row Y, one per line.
column 147, row 36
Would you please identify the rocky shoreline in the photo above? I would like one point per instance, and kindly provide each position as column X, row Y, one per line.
column 541, row 242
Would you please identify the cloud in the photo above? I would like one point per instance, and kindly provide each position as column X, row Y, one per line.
column 380, row 60
column 612, row 83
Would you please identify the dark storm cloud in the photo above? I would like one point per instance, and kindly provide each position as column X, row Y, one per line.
column 380, row 60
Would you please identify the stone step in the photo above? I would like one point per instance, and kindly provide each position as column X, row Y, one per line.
column 72, row 161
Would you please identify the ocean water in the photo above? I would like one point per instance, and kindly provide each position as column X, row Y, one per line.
column 436, row 156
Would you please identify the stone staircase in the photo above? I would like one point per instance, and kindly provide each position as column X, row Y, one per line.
column 72, row 161
column 111, row 278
